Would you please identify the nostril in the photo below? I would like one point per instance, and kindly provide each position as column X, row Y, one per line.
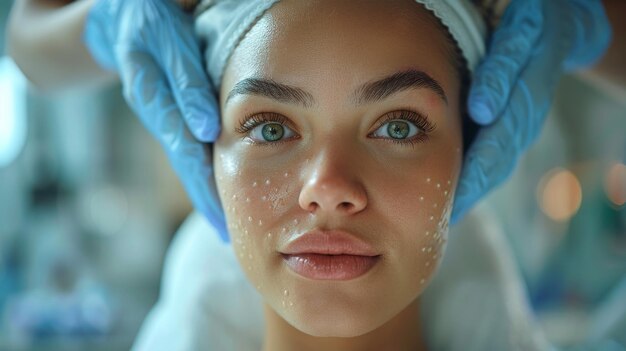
column 312, row 207
column 346, row 206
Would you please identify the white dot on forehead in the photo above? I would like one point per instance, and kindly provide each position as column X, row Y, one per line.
column 427, row 180
column 267, row 182
column 286, row 174
column 254, row 184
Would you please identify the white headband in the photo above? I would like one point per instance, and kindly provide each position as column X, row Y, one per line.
column 221, row 24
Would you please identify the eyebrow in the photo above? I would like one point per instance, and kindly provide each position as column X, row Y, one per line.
column 369, row 92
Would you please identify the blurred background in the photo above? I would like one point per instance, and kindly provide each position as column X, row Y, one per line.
column 88, row 206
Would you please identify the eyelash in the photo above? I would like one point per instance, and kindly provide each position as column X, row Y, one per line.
column 249, row 122
column 420, row 121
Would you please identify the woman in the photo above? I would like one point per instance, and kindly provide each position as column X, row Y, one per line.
column 342, row 134
column 441, row 140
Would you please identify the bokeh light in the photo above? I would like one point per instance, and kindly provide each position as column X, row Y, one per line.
column 559, row 194
column 615, row 184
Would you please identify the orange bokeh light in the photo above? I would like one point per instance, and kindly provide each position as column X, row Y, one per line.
column 559, row 194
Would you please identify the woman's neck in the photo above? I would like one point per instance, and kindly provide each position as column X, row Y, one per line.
column 402, row 332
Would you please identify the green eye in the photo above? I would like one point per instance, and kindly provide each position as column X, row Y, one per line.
column 398, row 129
column 272, row 131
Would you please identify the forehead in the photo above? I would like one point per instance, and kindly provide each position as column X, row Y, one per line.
column 314, row 43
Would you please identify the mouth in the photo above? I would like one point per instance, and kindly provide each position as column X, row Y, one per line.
column 330, row 255
column 330, row 267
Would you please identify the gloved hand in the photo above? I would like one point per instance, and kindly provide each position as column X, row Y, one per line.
column 536, row 42
column 152, row 46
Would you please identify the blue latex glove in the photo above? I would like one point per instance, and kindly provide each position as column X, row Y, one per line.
column 536, row 42
column 152, row 46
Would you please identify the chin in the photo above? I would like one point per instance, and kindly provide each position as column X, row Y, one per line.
column 333, row 325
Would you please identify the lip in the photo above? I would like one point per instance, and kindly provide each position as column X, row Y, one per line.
column 331, row 242
column 329, row 255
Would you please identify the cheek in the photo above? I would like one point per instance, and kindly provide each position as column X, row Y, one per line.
column 419, row 209
column 255, row 201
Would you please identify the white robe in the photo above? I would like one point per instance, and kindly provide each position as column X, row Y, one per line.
column 476, row 301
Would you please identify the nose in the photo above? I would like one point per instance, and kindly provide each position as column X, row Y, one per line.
column 331, row 186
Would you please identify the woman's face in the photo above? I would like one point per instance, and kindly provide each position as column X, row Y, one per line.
column 362, row 135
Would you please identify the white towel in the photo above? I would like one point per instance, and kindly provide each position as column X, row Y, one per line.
column 476, row 301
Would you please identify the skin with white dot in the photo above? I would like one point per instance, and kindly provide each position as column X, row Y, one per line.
column 395, row 194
